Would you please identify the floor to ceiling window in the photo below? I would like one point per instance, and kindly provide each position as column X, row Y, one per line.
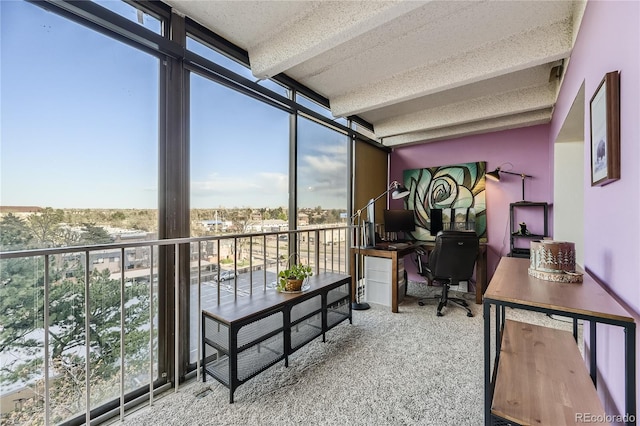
column 90, row 122
column 322, row 172
column 239, row 159
column 239, row 150
column 322, row 190
column 79, row 143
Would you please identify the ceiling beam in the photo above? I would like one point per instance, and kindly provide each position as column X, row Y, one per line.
column 493, row 106
column 323, row 28
column 537, row 47
column 530, row 77
column 531, row 118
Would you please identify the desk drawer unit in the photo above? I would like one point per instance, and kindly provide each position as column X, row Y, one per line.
column 378, row 286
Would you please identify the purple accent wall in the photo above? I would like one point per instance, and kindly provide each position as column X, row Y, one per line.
column 527, row 149
column 609, row 40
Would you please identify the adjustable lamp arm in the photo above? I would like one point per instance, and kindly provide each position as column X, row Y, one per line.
column 522, row 175
column 392, row 186
column 371, row 201
column 495, row 175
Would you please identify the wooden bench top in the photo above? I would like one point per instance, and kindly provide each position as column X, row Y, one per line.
column 261, row 301
column 542, row 378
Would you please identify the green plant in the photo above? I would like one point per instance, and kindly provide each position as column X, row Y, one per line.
column 297, row 271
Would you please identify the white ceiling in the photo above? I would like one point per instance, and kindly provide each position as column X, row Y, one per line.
column 417, row 70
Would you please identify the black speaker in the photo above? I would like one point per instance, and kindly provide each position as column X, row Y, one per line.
column 435, row 217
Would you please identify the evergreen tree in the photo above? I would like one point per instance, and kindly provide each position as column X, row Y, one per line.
column 22, row 318
column 22, row 314
column 92, row 234
column 45, row 226
column 14, row 233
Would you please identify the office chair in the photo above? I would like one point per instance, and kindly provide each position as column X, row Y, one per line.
column 451, row 261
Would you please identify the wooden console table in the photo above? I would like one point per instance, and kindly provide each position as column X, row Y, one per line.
column 543, row 380
column 397, row 253
column 242, row 338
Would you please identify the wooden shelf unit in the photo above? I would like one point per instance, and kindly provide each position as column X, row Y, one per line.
column 512, row 286
column 536, row 364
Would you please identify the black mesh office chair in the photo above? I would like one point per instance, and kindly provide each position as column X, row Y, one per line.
column 451, row 261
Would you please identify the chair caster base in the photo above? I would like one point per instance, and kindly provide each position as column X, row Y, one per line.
column 440, row 314
column 469, row 314
column 421, row 303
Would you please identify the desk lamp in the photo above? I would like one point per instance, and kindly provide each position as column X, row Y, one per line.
column 495, row 176
column 399, row 191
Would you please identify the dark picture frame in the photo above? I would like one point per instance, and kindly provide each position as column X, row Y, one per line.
column 604, row 109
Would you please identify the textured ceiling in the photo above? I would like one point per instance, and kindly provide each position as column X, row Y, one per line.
column 417, row 70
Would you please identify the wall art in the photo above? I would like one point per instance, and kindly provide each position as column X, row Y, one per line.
column 459, row 190
column 605, row 131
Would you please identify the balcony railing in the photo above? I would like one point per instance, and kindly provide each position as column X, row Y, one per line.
column 79, row 336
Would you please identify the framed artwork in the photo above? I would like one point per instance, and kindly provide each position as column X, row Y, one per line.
column 457, row 190
column 605, row 131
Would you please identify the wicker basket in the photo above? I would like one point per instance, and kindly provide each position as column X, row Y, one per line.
column 293, row 285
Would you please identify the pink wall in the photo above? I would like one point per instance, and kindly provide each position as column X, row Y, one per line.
column 527, row 149
column 609, row 40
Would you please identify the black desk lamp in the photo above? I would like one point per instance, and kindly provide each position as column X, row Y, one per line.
column 399, row 191
column 495, row 175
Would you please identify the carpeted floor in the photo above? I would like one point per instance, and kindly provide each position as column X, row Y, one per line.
column 409, row 368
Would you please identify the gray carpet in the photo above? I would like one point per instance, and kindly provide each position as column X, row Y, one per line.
column 409, row 368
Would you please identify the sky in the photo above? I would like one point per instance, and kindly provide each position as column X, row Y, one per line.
column 79, row 127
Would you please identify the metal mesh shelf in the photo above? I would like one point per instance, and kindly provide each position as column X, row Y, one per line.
column 219, row 369
column 305, row 331
column 216, row 333
column 338, row 312
column 305, row 308
column 337, row 294
column 255, row 331
column 260, row 356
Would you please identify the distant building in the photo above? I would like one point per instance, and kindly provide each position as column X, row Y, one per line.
column 20, row 211
column 212, row 224
column 269, row 225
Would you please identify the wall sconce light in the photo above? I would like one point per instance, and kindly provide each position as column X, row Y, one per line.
column 495, row 175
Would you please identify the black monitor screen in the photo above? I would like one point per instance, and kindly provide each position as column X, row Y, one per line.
column 399, row 221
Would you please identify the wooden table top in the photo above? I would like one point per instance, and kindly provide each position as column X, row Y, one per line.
column 265, row 300
column 512, row 283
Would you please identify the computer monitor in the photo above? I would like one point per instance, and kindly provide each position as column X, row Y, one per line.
column 399, row 221
column 435, row 219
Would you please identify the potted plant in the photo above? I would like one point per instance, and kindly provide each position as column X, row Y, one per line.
column 291, row 279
